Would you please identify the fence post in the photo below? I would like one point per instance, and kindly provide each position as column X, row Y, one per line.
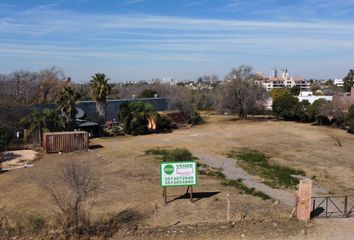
column 345, row 206
column 156, row 211
column 327, row 206
column 228, row 215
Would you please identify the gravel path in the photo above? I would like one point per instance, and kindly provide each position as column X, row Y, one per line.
column 231, row 171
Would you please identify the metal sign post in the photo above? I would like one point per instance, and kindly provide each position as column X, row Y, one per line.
column 176, row 174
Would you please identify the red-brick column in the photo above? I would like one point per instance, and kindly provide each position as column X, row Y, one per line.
column 303, row 205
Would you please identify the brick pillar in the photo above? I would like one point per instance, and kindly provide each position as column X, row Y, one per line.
column 303, row 204
column 352, row 94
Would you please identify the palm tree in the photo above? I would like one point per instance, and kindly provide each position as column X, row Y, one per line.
column 52, row 120
column 37, row 122
column 99, row 90
column 135, row 117
column 66, row 101
column 33, row 123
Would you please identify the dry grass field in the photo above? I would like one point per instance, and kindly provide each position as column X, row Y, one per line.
column 130, row 180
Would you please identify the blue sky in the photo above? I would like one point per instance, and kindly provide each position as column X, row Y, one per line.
column 144, row 39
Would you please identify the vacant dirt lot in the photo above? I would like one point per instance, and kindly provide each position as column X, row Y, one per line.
column 130, row 180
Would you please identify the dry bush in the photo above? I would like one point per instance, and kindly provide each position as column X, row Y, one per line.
column 72, row 194
column 110, row 225
column 25, row 226
column 337, row 140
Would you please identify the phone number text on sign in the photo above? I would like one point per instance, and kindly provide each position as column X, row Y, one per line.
column 178, row 174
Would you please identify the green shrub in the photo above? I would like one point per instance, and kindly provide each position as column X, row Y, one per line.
column 195, row 118
column 313, row 111
column 172, row 155
column 135, row 117
column 164, row 122
column 37, row 122
column 212, row 172
column 287, row 107
column 241, row 186
column 147, row 93
column 5, row 137
column 274, row 175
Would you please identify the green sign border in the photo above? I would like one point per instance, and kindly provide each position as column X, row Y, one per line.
column 180, row 185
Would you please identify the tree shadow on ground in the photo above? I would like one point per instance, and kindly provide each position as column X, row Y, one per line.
column 196, row 196
column 252, row 118
column 3, row 171
column 95, row 146
column 8, row 156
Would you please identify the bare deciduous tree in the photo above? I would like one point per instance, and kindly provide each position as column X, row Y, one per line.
column 24, row 87
column 75, row 185
column 18, row 88
column 240, row 94
column 50, row 82
column 335, row 110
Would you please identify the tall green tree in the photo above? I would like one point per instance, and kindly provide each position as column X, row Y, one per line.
column 99, row 90
column 66, row 100
column 147, row 93
column 313, row 111
column 277, row 92
column 348, row 81
column 295, row 90
column 286, row 106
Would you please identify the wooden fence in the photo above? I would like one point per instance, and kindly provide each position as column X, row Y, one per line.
column 54, row 142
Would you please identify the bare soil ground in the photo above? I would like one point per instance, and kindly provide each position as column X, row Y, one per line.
column 17, row 159
column 130, row 180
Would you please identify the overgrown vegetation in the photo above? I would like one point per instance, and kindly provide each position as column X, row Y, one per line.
column 256, row 163
column 217, row 172
column 5, row 136
column 72, row 192
column 348, row 81
column 321, row 111
column 147, row 93
column 182, row 154
column 32, row 225
column 38, row 122
column 77, row 185
column 244, row 189
column 288, row 107
column 137, row 116
column 38, row 227
column 172, row 155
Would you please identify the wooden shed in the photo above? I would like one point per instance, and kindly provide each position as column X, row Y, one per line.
column 54, row 142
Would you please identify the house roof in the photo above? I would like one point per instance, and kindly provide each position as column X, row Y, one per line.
column 88, row 124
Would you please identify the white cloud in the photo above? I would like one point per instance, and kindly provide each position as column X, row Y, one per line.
column 48, row 34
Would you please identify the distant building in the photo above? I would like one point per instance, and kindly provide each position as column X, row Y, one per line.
column 308, row 96
column 167, row 79
column 338, row 82
column 300, row 82
column 284, row 80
